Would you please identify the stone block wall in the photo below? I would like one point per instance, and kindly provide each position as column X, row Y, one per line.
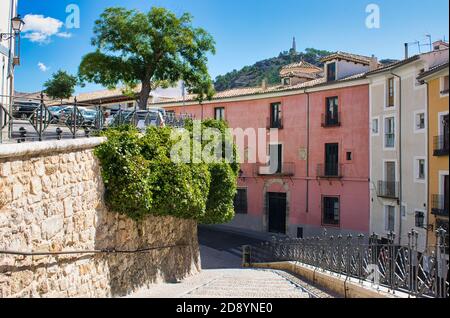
column 51, row 200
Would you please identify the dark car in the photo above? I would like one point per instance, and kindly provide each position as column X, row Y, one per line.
column 24, row 109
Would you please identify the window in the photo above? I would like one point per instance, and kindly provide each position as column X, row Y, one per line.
column 286, row 81
column 275, row 115
column 389, row 128
column 331, row 72
column 240, row 202
column 332, row 160
column 420, row 169
column 390, row 218
column 331, row 213
column 349, row 156
column 445, row 88
column 420, row 219
column 375, row 128
column 420, row 121
column 219, row 113
column 390, row 92
column 331, row 112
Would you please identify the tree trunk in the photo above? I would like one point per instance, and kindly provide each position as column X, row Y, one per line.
column 144, row 95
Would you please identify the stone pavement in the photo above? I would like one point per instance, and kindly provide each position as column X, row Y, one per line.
column 228, row 283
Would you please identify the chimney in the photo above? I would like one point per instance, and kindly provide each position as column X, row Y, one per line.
column 406, row 51
column 373, row 65
column 264, row 84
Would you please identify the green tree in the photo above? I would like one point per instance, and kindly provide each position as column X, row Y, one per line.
column 60, row 86
column 152, row 49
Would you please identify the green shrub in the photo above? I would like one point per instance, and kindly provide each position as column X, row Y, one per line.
column 141, row 179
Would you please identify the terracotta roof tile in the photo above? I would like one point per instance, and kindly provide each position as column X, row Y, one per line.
column 348, row 56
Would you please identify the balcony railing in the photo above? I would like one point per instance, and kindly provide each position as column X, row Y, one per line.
column 274, row 123
column 388, row 189
column 439, row 205
column 440, row 145
column 287, row 169
column 330, row 170
column 331, row 121
column 389, row 140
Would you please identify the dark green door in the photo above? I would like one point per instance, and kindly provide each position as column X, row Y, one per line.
column 277, row 212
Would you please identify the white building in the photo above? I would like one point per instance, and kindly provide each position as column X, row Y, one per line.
column 8, row 10
column 398, row 144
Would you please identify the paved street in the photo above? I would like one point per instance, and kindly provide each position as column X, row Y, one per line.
column 223, row 276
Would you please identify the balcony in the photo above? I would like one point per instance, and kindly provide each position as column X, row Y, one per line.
column 329, row 120
column 389, row 140
column 330, row 171
column 440, row 146
column 274, row 123
column 388, row 189
column 287, row 169
column 439, row 205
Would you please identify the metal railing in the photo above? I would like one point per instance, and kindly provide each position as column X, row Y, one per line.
column 439, row 204
column 330, row 171
column 329, row 120
column 398, row 268
column 37, row 119
column 274, row 123
column 440, row 145
column 388, row 189
column 287, row 169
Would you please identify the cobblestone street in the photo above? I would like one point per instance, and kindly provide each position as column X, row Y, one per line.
column 223, row 277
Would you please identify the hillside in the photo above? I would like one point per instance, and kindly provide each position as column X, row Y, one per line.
column 251, row 76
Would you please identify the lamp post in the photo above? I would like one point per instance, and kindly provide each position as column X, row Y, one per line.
column 17, row 25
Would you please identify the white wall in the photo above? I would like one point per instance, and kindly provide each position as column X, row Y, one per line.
column 8, row 9
column 346, row 69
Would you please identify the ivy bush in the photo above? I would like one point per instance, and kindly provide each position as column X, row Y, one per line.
column 141, row 179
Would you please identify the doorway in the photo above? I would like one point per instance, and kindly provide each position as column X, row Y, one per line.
column 277, row 212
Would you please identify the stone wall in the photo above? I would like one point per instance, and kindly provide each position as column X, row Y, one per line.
column 51, row 200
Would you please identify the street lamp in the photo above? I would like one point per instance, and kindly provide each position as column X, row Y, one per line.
column 17, row 24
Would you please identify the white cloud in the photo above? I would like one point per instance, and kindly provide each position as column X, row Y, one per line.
column 43, row 67
column 40, row 29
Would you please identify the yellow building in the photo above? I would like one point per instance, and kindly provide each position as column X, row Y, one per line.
column 437, row 80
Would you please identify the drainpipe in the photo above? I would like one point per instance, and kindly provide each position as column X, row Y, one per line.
column 307, row 151
column 400, row 190
column 427, row 199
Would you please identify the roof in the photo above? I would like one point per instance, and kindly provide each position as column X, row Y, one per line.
column 394, row 65
column 349, row 57
column 250, row 91
column 433, row 71
column 300, row 67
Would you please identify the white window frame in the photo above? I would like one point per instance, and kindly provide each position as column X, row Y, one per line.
column 386, row 91
column 440, row 118
column 386, row 218
column 420, row 130
column 395, row 132
column 396, row 169
column 377, row 118
column 441, row 86
column 442, row 175
column 416, row 169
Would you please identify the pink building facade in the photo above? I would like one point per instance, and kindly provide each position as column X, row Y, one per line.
column 323, row 140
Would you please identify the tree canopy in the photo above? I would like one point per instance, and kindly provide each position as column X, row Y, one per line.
column 61, row 85
column 148, row 49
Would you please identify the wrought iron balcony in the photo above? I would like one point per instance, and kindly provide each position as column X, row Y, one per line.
column 287, row 169
column 329, row 120
column 439, row 205
column 388, row 189
column 330, row 170
column 440, row 145
column 274, row 123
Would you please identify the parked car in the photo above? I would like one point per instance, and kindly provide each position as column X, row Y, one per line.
column 24, row 109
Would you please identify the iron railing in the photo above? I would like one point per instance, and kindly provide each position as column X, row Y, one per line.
column 330, row 171
column 440, row 145
column 439, row 204
column 274, row 123
column 398, row 268
column 329, row 120
column 388, row 189
column 37, row 119
column 285, row 169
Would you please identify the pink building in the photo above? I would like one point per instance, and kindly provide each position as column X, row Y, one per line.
column 323, row 121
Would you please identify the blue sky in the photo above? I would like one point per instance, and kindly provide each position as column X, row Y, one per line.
column 246, row 31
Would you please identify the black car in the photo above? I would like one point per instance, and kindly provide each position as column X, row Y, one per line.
column 24, row 109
